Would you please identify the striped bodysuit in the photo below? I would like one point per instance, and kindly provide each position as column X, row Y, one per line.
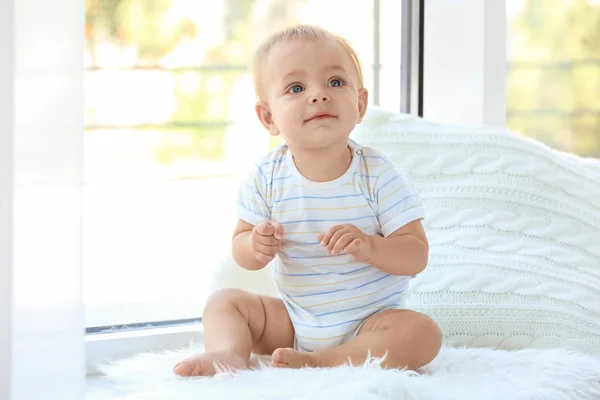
column 328, row 297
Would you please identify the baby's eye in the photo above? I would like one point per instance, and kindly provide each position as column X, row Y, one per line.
column 336, row 82
column 295, row 89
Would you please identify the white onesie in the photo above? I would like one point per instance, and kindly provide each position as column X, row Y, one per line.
column 328, row 297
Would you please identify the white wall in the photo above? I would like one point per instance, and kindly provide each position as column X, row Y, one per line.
column 42, row 250
column 465, row 62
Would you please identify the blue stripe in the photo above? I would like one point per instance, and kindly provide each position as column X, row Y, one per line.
column 326, row 326
column 355, row 270
column 318, row 197
column 295, row 242
column 382, row 186
column 258, row 193
column 327, row 273
column 383, row 212
column 368, row 283
column 261, row 173
column 253, row 212
column 341, row 323
column 278, row 179
column 272, row 162
column 341, row 290
column 305, row 349
column 326, row 220
column 327, row 256
column 252, row 188
column 366, row 305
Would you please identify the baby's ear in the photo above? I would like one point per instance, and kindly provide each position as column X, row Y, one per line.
column 266, row 118
column 363, row 101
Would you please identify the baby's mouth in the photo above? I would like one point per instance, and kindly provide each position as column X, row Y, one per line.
column 320, row 117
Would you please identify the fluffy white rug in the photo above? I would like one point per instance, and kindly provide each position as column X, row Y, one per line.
column 456, row 374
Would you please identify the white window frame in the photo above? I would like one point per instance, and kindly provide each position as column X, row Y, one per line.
column 465, row 57
column 6, row 191
column 113, row 346
column 41, row 142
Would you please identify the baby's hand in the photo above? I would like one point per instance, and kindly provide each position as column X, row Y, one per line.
column 347, row 238
column 266, row 240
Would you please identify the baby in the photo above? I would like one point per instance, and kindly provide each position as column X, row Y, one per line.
column 339, row 224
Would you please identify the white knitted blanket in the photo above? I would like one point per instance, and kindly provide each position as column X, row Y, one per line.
column 514, row 230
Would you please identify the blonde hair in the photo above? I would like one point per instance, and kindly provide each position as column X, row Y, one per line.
column 299, row 32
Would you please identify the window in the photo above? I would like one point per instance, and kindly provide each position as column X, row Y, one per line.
column 170, row 128
column 553, row 50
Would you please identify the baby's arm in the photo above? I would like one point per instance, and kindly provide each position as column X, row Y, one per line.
column 402, row 248
column 254, row 246
column 404, row 252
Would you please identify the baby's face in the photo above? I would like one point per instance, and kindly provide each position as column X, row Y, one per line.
column 312, row 92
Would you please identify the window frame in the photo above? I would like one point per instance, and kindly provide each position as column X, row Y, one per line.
column 411, row 59
column 111, row 346
column 464, row 53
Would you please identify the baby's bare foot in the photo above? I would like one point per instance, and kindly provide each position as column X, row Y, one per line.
column 204, row 364
column 290, row 358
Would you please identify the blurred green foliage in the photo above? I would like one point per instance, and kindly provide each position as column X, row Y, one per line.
column 554, row 81
column 140, row 23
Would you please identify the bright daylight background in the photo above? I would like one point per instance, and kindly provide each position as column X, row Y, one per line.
column 170, row 125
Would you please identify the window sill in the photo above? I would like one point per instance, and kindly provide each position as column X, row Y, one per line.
column 106, row 347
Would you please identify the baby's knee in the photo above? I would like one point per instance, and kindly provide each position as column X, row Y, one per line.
column 226, row 297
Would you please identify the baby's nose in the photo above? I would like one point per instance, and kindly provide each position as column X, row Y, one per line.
column 319, row 97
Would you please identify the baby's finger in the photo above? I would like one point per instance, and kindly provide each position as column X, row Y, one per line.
column 263, row 258
column 264, row 229
column 336, row 236
column 354, row 246
column 267, row 240
column 277, row 229
column 342, row 242
column 266, row 249
column 327, row 237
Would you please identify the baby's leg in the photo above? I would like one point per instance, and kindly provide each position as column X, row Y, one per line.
column 237, row 322
column 407, row 338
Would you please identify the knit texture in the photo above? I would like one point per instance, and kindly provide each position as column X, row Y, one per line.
column 514, row 233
